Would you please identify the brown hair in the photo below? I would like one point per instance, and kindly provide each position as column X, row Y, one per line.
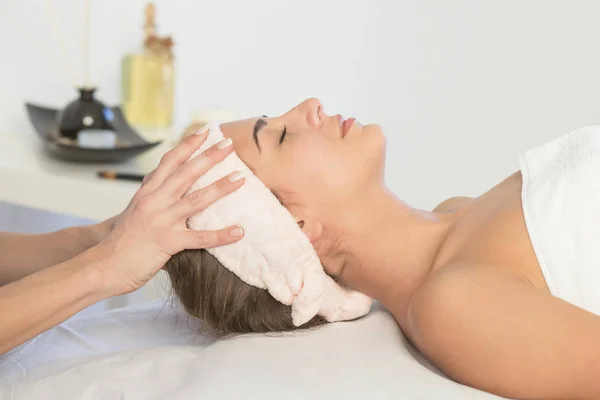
column 227, row 305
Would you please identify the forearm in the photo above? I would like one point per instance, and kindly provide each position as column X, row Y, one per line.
column 22, row 255
column 48, row 297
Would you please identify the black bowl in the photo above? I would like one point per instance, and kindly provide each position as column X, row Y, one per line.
column 129, row 142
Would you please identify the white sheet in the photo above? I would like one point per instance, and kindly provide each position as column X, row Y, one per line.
column 154, row 352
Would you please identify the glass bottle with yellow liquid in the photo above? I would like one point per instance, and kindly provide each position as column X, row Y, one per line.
column 148, row 81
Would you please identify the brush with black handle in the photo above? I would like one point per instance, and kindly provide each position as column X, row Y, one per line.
column 124, row 176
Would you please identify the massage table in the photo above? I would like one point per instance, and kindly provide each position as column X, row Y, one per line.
column 155, row 351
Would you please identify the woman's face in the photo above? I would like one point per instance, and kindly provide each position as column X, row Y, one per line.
column 312, row 159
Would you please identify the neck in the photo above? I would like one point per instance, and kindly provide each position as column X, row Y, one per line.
column 390, row 248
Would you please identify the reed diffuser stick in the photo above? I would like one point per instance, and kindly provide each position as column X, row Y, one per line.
column 86, row 46
column 66, row 61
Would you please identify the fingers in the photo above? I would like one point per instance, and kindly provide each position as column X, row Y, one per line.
column 199, row 200
column 191, row 129
column 173, row 159
column 210, row 239
column 183, row 178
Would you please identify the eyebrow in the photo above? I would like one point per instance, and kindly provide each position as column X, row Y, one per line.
column 258, row 125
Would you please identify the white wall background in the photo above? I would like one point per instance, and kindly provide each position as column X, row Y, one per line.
column 461, row 87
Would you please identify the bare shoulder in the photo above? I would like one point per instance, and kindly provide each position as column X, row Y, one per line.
column 452, row 203
column 489, row 329
column 454, row 290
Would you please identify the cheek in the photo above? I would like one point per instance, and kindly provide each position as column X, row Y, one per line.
column 331, row 169
column 323, row 171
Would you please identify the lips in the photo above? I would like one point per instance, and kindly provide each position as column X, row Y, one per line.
column 347, row 125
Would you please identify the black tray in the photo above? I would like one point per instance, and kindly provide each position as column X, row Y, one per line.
column 130, row 143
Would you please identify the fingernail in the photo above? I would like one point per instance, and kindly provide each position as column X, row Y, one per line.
column 236, row 176
column 201, row 131
column 236, row 232
column 223, row 144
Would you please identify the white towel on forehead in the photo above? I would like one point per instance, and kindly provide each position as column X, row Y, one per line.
column 274, row 254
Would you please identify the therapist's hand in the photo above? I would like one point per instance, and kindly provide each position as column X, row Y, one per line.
column 153, row 227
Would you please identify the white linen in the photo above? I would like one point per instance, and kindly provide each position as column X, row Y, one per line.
column 154, row 351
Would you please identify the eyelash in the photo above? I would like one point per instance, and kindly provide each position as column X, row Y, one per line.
column 283, row 134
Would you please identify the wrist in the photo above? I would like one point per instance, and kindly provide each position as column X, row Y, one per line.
column 98, row 232
column 96, row 264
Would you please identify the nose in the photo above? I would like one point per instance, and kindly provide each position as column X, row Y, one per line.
column 312, row 110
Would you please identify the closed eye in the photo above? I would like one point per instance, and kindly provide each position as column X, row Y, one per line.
column 283, row 134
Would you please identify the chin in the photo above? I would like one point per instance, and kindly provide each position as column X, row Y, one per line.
column 376, row 149
column 376, row 141
column 374, row 134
